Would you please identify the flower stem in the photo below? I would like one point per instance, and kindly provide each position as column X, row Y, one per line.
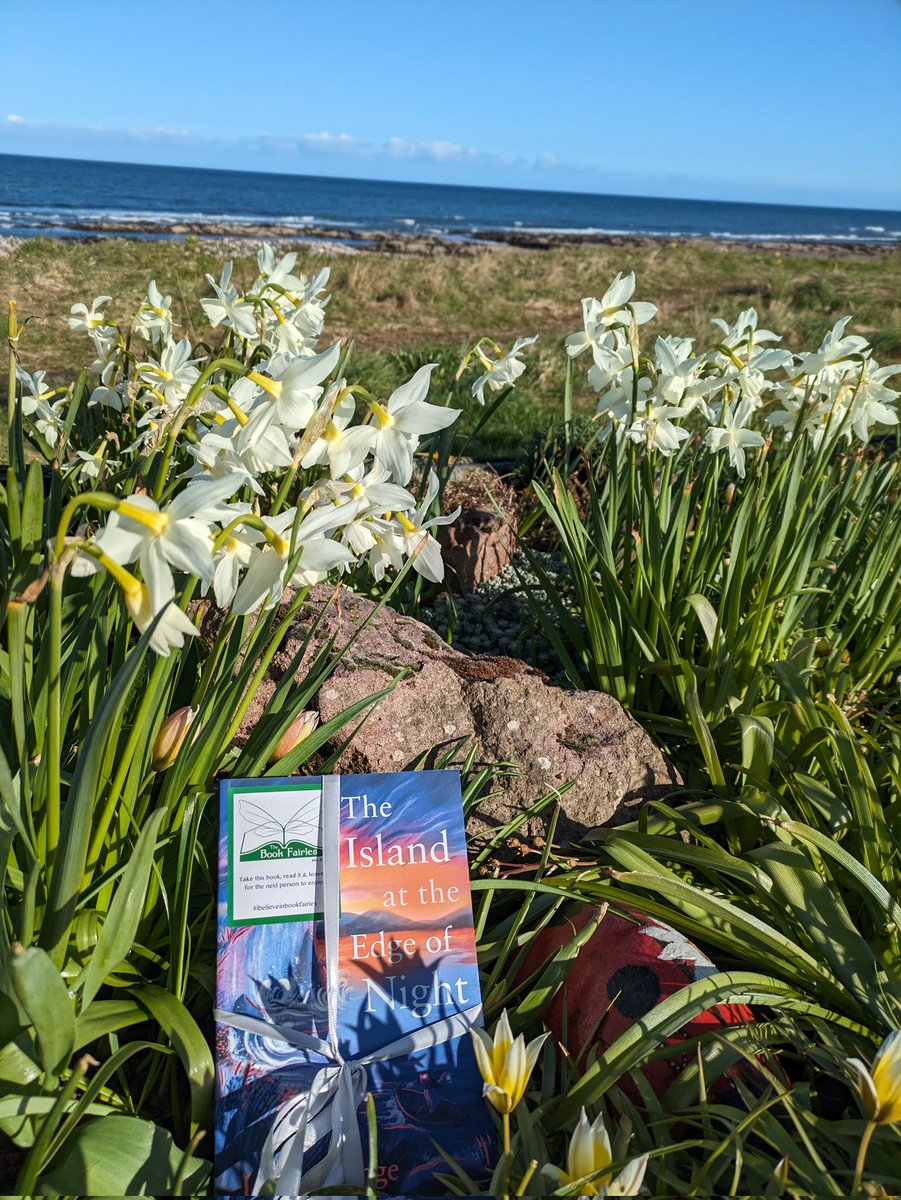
column 862, row 1156
column 54, row 738
column 506, row 1125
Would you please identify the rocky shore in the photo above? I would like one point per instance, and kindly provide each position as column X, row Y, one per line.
column 246, row 238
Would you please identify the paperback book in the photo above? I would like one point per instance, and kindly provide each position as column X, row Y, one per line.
column 346, row 965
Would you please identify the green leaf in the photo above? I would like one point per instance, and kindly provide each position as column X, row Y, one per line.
column 121, row 924
column 190, row 1044
column 86, row 786
column 122, row 1156
column 40, row 990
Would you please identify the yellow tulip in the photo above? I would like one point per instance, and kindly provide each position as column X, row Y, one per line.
column 298, row 731
column 505, row 1063
column 880, row 1088
column 170, row 738
column 590, row 1153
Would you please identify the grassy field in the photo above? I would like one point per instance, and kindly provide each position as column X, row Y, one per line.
column 403, row 310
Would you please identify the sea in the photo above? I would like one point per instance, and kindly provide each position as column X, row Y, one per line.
column 71, row 198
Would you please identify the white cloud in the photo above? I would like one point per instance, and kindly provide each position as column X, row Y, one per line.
column 319, row 142
column 441, row 152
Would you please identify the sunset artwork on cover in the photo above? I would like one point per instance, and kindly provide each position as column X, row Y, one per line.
column 406, row 961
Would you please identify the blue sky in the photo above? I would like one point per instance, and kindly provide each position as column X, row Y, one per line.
column 792, row 101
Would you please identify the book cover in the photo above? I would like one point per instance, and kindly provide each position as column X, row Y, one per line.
column 403, row 964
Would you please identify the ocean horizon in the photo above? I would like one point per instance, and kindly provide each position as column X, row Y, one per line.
column 77, row 198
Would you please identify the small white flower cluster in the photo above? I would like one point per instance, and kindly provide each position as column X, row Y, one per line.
column 838, row 390
column 225, row 439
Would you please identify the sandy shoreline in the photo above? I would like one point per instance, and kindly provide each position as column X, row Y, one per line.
column 240, row 239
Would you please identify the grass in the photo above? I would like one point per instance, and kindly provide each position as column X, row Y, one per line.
column 409, row 309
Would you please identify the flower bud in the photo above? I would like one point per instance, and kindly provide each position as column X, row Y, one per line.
column 299, row 729
column 170, row 737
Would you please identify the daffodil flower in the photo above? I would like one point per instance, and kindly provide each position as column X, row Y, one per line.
column 145, row 601
column 415, row 539
column 35, row 390
column 228, row 308
column 177, row 536
column 153, row 319
column 500, row 371
column 173, row 376
column 588, row 1159
column 288, row 392
column 653, row 426
column 733, row 436
column 342, row 446
column 84, row 319
column 264, row 582
column 399, row 423
column 505, row 1064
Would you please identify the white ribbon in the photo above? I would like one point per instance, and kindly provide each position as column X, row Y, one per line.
column 330, row 1106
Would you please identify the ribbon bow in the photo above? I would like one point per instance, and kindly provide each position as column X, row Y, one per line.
column 330, row 1106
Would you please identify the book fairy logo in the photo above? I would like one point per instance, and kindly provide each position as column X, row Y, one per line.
column 278, row 826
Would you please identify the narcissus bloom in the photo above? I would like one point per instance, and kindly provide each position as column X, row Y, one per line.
column 505, row 1063
column 500, row 371
column 880, row 1086
column 733, row 436
column 589, row 1153
column 399, row 423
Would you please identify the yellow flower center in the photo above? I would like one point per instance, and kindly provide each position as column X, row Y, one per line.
column 156, row 522
column 273, row 387
column 382, row 417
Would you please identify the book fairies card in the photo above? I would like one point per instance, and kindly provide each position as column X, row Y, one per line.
column 346, row 965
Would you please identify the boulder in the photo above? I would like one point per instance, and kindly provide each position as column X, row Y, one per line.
column 443, row 701
column 482, row 541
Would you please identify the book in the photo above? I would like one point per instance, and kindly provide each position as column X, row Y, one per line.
column 344, row 929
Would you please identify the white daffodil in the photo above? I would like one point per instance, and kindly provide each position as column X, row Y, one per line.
column 831, row 361
column 143, row 604
column 386, row 549
column 278, row 273
column 594, row 331
column 416, row 540
column 342, row 446
column 654, row 427
column 234, row 555
column 610, row 360
column 173, row 376
column 880, row 1085
column 616, row 307
column 500, row 371
column 145, row 601
column 370, row 492
column 92, row 465
column 107, row 347
column 153, row 319
column 177, row 536
column 287, row 393
column 215, row 456
column 745, row 331
column 264, row 582
column 871, row 401
column 50, row 419
column 109, row 392
column 36, row 390
column 679, row 379
column 399, row 423
column 733, row 435
column 229, row 309
column 84, row 319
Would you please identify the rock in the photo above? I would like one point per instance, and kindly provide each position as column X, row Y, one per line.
column 444, row 701
column 482, row 541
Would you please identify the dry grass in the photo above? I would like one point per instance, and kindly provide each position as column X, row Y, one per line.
column 400, row 308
